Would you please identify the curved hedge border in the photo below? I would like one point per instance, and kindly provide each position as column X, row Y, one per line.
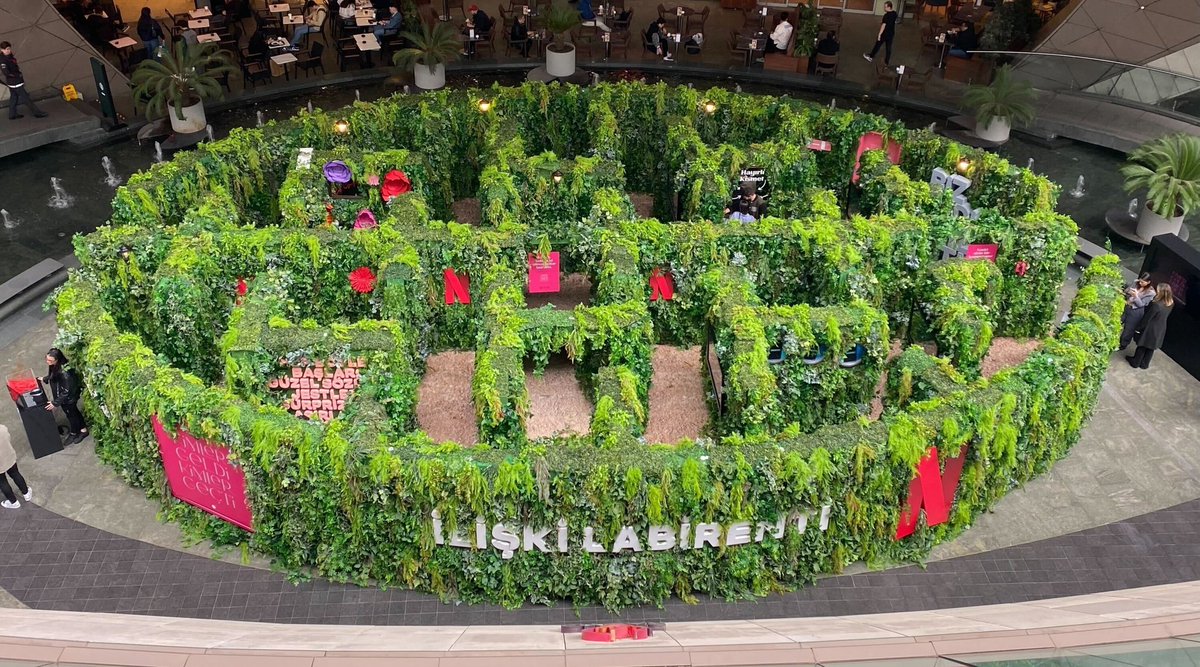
column 355, row 498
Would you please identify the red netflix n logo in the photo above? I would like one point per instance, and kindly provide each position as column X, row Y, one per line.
column 661, row 286
column 932, row 489
column 457, row 287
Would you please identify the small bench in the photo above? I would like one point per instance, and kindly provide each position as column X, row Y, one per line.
column 30, row 284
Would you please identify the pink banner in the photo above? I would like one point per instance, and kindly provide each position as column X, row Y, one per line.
column 200, row 474
column 986, row 251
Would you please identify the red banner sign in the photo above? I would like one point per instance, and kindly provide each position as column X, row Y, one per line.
column 543, row 274
column 200, row 474
column 457, row 287
column 873, row 141
column 986, row 251
column 820, row 145
column 319, row 389
column 932, row 489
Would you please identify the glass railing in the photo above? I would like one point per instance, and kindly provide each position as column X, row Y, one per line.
column 1135, row 85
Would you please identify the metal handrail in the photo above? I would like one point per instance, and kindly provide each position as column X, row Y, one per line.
column 1099, row 60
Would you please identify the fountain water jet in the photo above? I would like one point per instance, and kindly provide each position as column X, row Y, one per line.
column 1078, row 191
column 111, row 178
column 9, row 221
column 158, row 155
column 258, row 116
column 1030, row 165
column 60, row 199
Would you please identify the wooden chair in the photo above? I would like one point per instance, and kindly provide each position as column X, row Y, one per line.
column 348, row 53
column 620, row 24
column 916, row 81
column 827, row 65
column 518, row 45
column 619, row 44
column 313, row 59
column 885, row 75
column 488, row 43
column 696, row 21
column 254, row 69
column 585, row 39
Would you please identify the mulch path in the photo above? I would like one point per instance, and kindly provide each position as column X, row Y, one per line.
column 678, row 389
column 444, row 407
column 1006, row 353
column 467, row 211
column 574, row 289
column 642, row 203
column 557, row 403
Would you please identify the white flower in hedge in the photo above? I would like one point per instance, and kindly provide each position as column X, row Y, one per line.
column 738, row 259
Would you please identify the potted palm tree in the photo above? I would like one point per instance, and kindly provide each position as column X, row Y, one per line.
column 1007, row 101
column 181, row 81
column 1168, row 168
column 560, row 54
column 431, row 49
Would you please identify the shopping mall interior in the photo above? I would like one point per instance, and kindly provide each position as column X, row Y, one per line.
column 858, row 333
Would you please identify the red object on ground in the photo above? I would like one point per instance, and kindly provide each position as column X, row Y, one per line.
column 362, row 280
column 395, row 183
column 18, row 386
column 543, row 274
column 820, row 145
column 986, row 251
column 873, row 141
column 612, row 633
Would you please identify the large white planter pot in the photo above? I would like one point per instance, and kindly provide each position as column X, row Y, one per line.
column 560, row 65
column 193, row 119
column 996, row 131
column 1151, row 224
column 430, row 80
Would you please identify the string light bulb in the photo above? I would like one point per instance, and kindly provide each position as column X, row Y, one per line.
column 485, row 106
column 556, row 177
column 341, row 127
column 964, row 165
column 710, row 107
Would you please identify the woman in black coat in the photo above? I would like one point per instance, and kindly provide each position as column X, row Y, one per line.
column 1154, row 326
column 67, row 387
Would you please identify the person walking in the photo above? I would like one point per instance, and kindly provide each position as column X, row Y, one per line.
column 1136, row 299
column 8, row 467
column 887, row 32
column 1154, row 327
column 150, row 33
column 67, row 387
column 11, row 73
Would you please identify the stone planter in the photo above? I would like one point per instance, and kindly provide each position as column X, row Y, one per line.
column 996, row 131
column 1151, row 224
column 427, row 80
column 193, row 119
column 560, row 64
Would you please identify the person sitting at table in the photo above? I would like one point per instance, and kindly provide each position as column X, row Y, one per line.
column 589, row 17
column 478, row 19
column 519, row 35
column 656, row 39
column 257, row 47
column 393, row 24
column 748, row 206
column 100, row 29
column 150, row 33
column 314, row 21
column 780, row 36
column 830, row 45
column 965, row 40
column 347, row 10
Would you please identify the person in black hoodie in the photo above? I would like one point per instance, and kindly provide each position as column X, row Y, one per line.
column 1154, row 327
column 11, row 73
column 150, row 33
column 67, row 387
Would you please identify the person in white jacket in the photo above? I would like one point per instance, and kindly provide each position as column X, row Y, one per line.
column 780, row 36
column 8, row 464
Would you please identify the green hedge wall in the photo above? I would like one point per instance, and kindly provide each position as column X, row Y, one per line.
column 356, row 499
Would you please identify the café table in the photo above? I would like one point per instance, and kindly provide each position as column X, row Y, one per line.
column 280, row 8
column 122, row 44
column 363, row 21
column 367, row 43
column 283, row 60
column 201, row 13
column 293, row 20
column 753, row 45
column 537, row 40
column 469, row 40
column 208, row 37
column 198, row 24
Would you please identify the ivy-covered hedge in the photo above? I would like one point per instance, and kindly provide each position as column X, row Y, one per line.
column 367, row 498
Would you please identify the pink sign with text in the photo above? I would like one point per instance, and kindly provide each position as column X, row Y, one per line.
column 200, row 474
column 986, row 251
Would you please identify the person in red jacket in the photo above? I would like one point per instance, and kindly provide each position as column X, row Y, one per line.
column 11, row 73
